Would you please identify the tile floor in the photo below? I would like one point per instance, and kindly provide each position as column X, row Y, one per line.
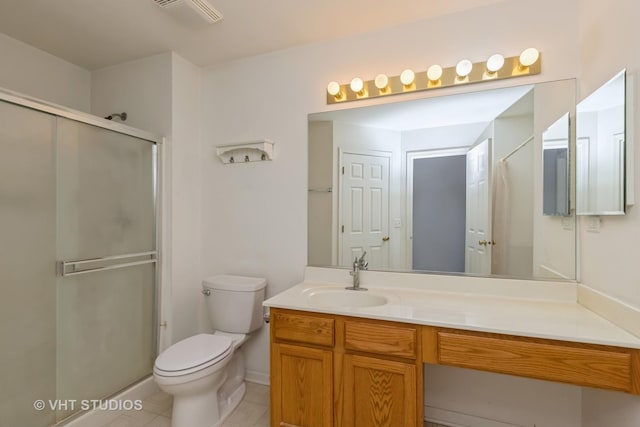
column 253, row 411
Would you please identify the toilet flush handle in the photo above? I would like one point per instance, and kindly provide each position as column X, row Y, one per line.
column 207, row 292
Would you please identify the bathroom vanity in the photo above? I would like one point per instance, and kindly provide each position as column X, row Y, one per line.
column 348, row 358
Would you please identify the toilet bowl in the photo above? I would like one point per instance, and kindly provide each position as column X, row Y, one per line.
column 205, row 372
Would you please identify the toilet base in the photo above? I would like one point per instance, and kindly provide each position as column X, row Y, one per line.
column 215, row 397
column 231, row 403
column 189, row 412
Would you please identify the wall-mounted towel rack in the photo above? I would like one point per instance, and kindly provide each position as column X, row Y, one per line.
column 245, row 152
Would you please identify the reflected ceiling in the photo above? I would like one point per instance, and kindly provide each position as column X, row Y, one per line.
column 472, row 107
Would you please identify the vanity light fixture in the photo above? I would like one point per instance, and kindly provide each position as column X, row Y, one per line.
column 497, row 67
column 333, row 89
column 382, row 82
column 434, row 73
column 529, row 56
column 357, row 86
column 463, row 68
column 407, row 77
column 495, row 63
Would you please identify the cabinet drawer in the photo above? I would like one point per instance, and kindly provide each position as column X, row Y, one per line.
column 580, row 364
column 303, row 328
column 379, row 338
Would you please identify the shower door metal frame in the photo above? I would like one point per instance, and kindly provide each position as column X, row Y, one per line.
column 158, row 141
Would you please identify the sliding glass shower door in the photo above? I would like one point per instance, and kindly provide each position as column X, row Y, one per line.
column 106, row 249
column 77, row 264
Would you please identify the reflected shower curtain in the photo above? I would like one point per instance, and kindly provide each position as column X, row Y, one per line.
column 501, row 218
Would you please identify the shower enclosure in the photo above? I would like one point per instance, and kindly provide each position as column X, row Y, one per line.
column 78, row 270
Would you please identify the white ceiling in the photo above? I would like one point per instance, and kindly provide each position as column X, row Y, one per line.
column 472, row 107
column 98, row 33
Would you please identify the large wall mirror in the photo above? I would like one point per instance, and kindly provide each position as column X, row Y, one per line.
column 600, row 150
column 449, row 184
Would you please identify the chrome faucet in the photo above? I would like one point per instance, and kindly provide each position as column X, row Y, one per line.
column 358, row 265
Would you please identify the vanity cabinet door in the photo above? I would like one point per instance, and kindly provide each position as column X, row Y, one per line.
column 301, row 386
column 379, row 393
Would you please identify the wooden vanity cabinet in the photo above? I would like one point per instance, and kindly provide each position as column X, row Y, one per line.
column 346, row 372
column 301, row 369
column 381, row 374
column 590, row 365
column 301, row 386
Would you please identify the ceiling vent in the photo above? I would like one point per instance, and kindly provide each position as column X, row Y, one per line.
column 191, row 11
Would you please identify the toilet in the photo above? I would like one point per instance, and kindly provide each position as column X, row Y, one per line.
column 205, row 372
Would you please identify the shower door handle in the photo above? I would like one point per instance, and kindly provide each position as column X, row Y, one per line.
column 92, row 265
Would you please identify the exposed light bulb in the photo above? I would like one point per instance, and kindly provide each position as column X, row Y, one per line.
column 381, row 81
column 495, row 63
column 463, row 68
column 434, row 73
column 357, row 85
column 333, row 88
column 407, row 77
column 529, row 56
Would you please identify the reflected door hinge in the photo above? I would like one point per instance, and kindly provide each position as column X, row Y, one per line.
column 343, row 170
column 343, row 228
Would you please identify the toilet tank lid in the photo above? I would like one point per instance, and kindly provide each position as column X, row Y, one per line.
column 227, row 282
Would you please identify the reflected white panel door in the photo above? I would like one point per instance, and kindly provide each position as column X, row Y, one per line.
column 365, row 209
column 478, row 238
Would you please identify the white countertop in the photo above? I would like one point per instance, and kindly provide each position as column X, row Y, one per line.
column 510, row 307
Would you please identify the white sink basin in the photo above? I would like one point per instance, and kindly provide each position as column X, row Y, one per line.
column 345, row 298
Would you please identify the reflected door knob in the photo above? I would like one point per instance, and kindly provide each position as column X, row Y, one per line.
column 385, row 238
column 482, row 242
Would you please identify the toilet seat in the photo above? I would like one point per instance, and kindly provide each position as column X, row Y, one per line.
column 193, row 354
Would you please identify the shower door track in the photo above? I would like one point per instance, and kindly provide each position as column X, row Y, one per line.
column 78, row 116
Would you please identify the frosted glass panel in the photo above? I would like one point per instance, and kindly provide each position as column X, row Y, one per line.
column 105, row 208
column 27, row 266
column 105, row 192
column 105, row 332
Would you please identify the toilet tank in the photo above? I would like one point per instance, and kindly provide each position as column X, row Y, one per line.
column 235, row 302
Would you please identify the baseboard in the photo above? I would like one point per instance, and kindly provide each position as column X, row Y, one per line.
column 458, row 419
column 138, row 391
column 257, row 377
column 617, row 312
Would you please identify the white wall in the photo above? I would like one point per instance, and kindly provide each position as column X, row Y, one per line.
column 35, row 73
column 141, row 88
column 255, row 214
column 609, row 258
column 189, row 310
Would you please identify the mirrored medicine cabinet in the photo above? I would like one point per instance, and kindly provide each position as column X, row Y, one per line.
column 600, row 149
